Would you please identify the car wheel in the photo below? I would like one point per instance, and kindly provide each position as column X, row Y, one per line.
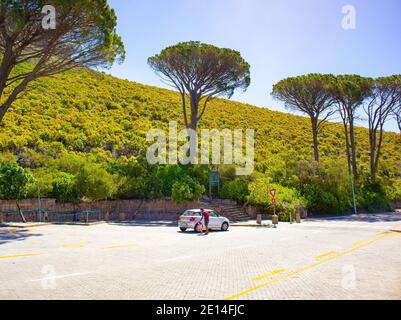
column 224, row 226
column 183, row 229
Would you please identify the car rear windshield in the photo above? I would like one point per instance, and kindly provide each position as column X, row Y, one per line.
column 191, row 213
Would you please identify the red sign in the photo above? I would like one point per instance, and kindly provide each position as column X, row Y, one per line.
column 273, row 193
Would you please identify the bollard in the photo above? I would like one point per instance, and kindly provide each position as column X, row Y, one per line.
column 259, row 219
column 275, row 220
column 121, row 216
column 107, row 216
column 298, row 214
column 1, row 218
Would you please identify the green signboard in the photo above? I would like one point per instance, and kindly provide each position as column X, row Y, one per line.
column 214, row 179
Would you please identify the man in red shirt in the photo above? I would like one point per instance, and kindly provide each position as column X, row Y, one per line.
column 205, row 215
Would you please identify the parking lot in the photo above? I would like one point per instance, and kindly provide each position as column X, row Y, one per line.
column 343, row 258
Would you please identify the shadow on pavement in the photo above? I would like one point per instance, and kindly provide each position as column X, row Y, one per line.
column 196, row 234
column 146, row 224
column 365, row 217
column 15, row 235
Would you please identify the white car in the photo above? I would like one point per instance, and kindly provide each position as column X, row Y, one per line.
column 190, row 219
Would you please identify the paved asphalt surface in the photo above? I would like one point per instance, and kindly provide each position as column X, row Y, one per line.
column 355, row 257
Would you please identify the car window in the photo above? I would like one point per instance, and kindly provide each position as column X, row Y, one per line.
column 189, row 213
column 213, row 214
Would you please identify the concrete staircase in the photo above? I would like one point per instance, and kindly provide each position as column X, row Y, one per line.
column 228, row 209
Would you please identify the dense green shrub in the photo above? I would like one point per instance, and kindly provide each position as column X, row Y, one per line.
column 374, row 197
column 167, row 176
column 92, row 180
column 287, row 198
column 65, row 188
column 186, row 189
column 393, row 191
column 13, row 181
column 235, row 190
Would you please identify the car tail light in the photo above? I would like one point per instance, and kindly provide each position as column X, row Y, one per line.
column 193, row 219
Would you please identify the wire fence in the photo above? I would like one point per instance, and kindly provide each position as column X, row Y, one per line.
column 84, row 216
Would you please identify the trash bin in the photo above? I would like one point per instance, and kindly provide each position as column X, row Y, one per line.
column 259, row 219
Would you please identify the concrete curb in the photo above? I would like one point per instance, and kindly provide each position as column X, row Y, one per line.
column 23, row 226
column 253, row 225
column 144, row 223
column 396, row 229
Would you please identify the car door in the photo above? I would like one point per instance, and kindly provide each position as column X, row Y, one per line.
column 214, row 220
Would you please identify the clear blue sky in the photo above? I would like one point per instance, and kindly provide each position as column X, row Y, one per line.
column 279, row 38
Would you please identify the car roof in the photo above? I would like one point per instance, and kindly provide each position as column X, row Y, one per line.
column 198, row 210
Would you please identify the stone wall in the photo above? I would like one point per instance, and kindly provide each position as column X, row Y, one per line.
column 106, row 210
column 396, row 205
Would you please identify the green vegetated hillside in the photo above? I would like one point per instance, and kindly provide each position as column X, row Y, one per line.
column 83, row 120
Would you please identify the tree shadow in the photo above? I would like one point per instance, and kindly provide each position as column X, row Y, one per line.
column 147, row 223
column 13, row 235
column 195, row 233
column 364, row 217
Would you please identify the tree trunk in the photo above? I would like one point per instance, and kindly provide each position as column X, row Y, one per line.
column 3, row 111
column 194, row 112
column 353, row 150
column 193, row 126
column 372, row 138
column 378, row 152
column 347, row 147
column 20, row 212
column 315, row 138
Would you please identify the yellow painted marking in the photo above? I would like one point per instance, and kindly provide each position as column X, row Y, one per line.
column 268, row 275
column 394, row 234
column 122, row 246
column 73, row 246
column 291, row 274
column 20, row 256
column 324, row 255
column 359, row 243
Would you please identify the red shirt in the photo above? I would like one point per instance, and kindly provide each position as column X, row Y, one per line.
column 205, row 214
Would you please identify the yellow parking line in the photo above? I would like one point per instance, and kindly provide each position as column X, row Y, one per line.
column 122, row 246
column 268, row 275
column 359, row 243
column 20, row 256
column 289, row 275
column 324, row 255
